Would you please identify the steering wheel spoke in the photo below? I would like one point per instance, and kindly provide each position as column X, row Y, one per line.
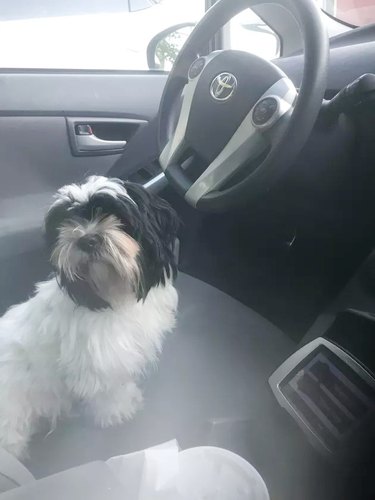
column 245, row 145
column 175, row 148
column 174, row 151
column 260, row 131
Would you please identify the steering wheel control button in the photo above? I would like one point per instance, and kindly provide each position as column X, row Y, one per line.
column 196, row 67
column 223, row 86
column 265, row 111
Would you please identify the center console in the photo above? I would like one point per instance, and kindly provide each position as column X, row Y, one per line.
column 327, row 386
column 331, row 396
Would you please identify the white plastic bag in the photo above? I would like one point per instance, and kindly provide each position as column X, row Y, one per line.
column 209, row 473
column 149, row 474
column 203, row 473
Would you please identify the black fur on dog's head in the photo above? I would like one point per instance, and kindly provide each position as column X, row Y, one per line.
column 108, row 238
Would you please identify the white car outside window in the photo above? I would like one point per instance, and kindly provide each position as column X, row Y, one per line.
column 105, row 40
column 108, row 34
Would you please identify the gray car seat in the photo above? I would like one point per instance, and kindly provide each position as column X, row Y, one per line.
column 213, row 370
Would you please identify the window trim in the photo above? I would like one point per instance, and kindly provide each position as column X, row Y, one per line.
column 225, row 34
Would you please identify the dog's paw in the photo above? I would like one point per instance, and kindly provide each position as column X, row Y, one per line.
column 133, row 401
column 16, row 448
column 15, row 434
column 115, row 408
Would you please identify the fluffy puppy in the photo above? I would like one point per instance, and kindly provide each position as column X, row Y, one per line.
column 90, row 331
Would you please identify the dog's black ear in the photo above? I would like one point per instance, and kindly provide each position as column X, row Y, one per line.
column 157, row 214
column 53, row 220
column 157, row 237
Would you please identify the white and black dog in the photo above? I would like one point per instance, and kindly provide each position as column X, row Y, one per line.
column 89, row 332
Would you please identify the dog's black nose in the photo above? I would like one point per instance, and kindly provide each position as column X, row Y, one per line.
column 89, row 242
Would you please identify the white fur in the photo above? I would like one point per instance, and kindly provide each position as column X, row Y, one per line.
column 53, row 352
column 81, row 193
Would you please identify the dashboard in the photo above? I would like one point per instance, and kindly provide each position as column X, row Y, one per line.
column 347, row 63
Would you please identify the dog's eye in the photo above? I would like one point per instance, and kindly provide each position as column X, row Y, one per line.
column 97, row 212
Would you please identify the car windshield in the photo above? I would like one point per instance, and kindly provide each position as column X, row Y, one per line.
column 353, row 12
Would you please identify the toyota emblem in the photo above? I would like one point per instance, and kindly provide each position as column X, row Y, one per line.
column 223, row 86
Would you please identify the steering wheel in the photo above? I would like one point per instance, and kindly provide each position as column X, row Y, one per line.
column 240, row 114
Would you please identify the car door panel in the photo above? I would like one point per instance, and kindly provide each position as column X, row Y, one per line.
column 36, row 156
column 38, row 114
column 99, row 93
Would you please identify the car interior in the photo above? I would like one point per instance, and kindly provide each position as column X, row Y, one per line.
column 270, row 167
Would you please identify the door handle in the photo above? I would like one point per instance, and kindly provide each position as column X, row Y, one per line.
column 84, row 135
column 90, row 142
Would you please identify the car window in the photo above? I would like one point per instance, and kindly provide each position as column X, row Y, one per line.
column 248, row 32
column 89, row 34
